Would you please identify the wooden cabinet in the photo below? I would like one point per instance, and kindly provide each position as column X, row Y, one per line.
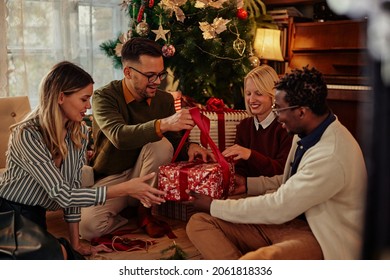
column 338, row 49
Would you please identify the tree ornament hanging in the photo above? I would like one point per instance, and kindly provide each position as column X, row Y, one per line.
column 254, row 60
column 239, row 44
column 122, row 40
column 168, row 50
column 242, row 14
column 141, row 10
column 173, row 6
column 209, row 3
column 210, row 31
column 142, row 28
column 160, row 32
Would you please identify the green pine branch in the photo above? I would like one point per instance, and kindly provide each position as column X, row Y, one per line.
column 178, row 253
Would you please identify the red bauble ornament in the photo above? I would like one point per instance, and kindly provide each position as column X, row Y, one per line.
column 168, row 50
column 242, row 14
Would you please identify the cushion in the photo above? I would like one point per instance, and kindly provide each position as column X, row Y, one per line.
column 12, row 110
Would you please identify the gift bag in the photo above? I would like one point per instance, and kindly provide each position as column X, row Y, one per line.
column 214, row 179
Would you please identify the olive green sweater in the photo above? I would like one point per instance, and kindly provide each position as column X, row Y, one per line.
column 120, row 130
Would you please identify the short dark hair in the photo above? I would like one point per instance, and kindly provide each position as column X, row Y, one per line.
column 305, row 87
column 137, row 46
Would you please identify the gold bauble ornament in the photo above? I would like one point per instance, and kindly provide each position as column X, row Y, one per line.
column 254, row 61
column 142, row 29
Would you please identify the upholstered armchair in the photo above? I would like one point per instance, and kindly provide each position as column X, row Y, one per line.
column 13, row 110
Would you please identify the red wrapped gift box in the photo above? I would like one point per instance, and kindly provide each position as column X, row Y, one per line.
column 222, row 128
column 212, row 179
column 223, row 123
column 204, row 178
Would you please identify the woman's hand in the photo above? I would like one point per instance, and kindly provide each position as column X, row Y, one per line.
column 238, row 152
column 81, row 247
column 145, row 193
column 139, row 189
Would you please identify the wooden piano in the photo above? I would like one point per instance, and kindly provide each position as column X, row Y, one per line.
column 337, row 49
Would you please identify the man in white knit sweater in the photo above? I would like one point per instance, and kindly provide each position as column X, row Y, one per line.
column 315, row 210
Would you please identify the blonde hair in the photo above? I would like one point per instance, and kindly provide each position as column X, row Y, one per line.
column 264, row 77
column 68, row 78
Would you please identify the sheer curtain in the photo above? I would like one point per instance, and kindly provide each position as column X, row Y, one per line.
column 3, row 51
column 40, row 33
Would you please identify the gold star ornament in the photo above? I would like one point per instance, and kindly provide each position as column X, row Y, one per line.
column 160, row 33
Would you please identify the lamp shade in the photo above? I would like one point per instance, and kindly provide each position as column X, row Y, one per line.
column 267, row 44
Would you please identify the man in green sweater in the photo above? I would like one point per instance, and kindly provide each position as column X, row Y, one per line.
column 136, row 129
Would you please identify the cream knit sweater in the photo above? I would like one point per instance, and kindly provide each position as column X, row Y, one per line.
column 329, row 187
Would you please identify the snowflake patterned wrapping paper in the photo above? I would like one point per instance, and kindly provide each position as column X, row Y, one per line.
column 205, row 178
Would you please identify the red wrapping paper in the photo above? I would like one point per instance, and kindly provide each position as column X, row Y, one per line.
column 204, row 178
column 212, row 179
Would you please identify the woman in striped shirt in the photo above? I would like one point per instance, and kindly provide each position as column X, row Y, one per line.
column 46, row 153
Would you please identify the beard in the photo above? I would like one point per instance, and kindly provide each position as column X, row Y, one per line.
column 149, row 91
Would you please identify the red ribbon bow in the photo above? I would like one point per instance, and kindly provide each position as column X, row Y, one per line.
column 216, row 105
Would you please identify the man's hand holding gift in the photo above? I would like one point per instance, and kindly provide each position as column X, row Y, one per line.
column 200, row 202
column 239, row 185
column 181, row 120
column 197, row 151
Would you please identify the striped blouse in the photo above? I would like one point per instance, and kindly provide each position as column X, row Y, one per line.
column 31, row 177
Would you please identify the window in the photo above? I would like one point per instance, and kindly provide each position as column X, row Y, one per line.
column 41, row 33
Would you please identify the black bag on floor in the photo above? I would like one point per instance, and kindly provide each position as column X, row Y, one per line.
column 22, row 239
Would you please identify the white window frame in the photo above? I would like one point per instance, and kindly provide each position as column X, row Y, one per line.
column 63, row 48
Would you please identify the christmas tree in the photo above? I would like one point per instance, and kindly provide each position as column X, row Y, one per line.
column 206, row 43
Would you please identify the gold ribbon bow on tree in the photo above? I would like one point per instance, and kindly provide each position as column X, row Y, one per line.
column 174, row 6
column 122, row 39
column 210, row 31
column 209, row 3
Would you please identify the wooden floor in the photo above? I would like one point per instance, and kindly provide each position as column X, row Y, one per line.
column 57, row 227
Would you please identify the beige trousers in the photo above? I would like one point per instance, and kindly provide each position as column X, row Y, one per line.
column 103, row 219
column 220, row 240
